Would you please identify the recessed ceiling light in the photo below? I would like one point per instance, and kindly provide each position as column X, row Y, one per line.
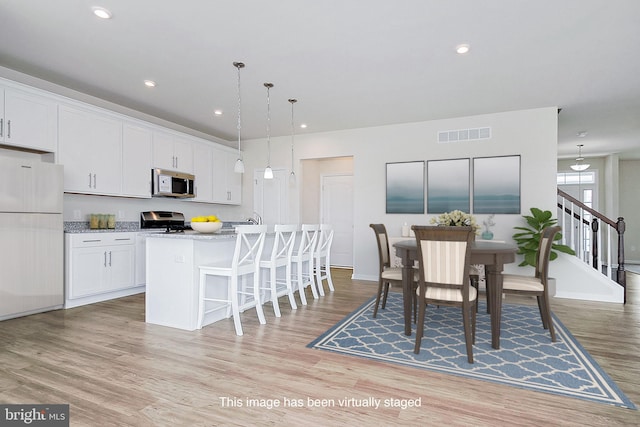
column 462, row 49
column 101, row 12
column 217, row 113
column 149, row 83
column 582, row 134
column 303, row 125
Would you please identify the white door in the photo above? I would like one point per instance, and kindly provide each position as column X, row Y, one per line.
column 336, row 208
column 271, row 196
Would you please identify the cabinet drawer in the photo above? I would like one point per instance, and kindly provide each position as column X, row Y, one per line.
column 84, row 240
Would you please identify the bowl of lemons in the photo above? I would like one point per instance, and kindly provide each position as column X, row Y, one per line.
column 206, row 224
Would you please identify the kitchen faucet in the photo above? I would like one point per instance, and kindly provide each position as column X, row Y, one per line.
column 255, row 219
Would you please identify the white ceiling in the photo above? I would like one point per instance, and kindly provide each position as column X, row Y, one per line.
column 350, row 63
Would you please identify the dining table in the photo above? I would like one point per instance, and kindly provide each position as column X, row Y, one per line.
column 493, row 255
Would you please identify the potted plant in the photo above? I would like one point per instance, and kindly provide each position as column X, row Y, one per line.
column 528, row 239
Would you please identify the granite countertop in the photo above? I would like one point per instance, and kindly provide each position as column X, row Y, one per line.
column 134, row 227
column 194, row 235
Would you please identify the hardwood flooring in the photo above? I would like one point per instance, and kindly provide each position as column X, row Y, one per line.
column 116, row 370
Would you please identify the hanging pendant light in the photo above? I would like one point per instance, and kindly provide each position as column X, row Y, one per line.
column 239, row 166
column 292, row 175
column 580, row 165
column 268, row 172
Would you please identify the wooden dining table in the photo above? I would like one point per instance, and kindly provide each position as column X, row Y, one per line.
column 493, row 255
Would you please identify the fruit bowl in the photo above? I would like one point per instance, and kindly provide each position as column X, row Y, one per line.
column 206, row 227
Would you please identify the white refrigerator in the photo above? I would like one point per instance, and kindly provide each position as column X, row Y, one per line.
column 31, row 237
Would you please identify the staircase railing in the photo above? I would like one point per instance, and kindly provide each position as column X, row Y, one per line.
column 589, row 241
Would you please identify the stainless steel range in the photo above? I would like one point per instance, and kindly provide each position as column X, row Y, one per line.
column 170, row 221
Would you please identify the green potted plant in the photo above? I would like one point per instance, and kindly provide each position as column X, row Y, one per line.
column 528, row 239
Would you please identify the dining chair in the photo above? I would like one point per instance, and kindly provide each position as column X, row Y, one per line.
column 538, row 284
column 280, row 259
column 302, row 260
column 387, row 275
column 245, row 262
column 322, row 255
column 444, row 253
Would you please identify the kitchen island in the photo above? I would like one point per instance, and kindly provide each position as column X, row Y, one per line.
column 172, row 261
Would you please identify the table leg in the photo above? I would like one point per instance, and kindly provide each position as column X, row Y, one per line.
column 494, row 297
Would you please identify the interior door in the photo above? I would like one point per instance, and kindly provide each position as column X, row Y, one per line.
column 271, row 196
column 336, row 208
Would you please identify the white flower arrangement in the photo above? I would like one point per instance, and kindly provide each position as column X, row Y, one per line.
column 456, row 218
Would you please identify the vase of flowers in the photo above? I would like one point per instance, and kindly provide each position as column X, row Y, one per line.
column 456, row 218
column 487, row 234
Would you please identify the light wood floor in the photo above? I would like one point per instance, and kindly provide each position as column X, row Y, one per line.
column 115, row 370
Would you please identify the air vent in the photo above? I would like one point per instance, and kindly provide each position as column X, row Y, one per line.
column 463, row 135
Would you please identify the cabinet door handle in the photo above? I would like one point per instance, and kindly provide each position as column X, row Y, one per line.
column 109, row 258
column 176, row 162
column 89, row 180
column 8, row 128
column 1, row 128
column 95, row 182
column 105, row 258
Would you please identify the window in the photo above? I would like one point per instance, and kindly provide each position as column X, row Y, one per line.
column 572, row 178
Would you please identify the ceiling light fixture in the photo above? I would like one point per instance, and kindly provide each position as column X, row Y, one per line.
column 268, row 172
column 101, row 12
column 303, row 126
column 217, row 112
column 462, row 49
column 149, row 83
column 239, row 166
column 580, row 165
column 292, row 175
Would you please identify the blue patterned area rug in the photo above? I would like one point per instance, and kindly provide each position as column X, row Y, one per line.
column 527, row 358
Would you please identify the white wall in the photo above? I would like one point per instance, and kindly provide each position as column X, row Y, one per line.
column 532, row 134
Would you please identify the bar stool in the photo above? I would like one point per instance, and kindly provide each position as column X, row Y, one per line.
column 245, row 261
column 322, row 256
column 302, row 259
column 280, row 257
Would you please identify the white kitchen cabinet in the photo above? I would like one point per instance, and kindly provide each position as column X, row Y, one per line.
column 203, row 171
column 227, row 184
column 90, row 148
column 172, row 151
column 99, row 266
column 27, row 120
column 136, row 160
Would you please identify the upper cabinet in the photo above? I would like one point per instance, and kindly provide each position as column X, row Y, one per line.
column 172, row 151
column 27, row 120
column 136, row 160
column 203, row 171
column 90, row 148
column 227, row 184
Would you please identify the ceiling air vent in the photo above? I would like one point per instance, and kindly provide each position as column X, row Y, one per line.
column 463, row 135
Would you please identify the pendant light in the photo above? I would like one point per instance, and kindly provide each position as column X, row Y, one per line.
column 292, row 175
column 580, row 165
column 239, row 166
column 268, row 172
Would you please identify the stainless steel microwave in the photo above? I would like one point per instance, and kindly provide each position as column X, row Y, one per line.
column 167, row 183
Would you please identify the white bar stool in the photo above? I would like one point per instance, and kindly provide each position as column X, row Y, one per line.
column 322, row 256
column 280, row 257
column 303, row 261
column 245, row 261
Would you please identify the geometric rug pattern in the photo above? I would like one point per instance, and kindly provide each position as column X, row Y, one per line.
column 527, row 358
